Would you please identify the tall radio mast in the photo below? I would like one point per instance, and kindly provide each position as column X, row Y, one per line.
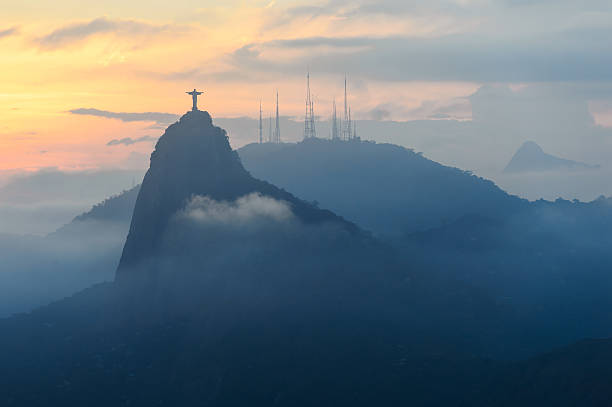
column 260, row 125
column 309, row 121
column 277, row 130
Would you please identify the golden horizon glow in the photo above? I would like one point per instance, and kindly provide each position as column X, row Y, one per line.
column 135, row 66
column 142, row 56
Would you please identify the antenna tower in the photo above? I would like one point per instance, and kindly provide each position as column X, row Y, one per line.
column 277, row 130
column 346, row 124
column 335, row 128
column 349, row 126
column 260, row 125
column 309, row 121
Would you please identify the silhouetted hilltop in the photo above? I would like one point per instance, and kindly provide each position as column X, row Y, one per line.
column 384, row 188
column 194, row 158
column 531, row 157
column 112, row 215
column 115, row 208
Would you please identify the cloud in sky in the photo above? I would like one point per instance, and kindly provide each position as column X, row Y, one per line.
column 367, row 8
column 576, row 52
column 129, row 141
column 460, row 8
column 469, row 57
column 159, row 118
column 343, row 10
column 456, row 40
column 8, row 32
column 414, row 59
column 73, row 33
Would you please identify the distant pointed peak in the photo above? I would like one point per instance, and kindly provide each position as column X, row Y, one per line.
column 531, row 146
column 531, row 157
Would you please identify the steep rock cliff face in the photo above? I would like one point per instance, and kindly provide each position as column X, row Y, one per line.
column 194, row 158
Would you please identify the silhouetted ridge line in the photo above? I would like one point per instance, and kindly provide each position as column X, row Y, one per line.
column 384, row 188
column 194, row 157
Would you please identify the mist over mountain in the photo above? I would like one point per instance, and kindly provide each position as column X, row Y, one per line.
column 550, row 115
column 531, row 157
column 543, row 255
column 388, row 189
column 118, row 207
column 193, row 158
column 550, row 263
column 42, row 201
column 292, row 294
column 37, row 270
column 227, row 281
column 444, row 209
column 417, row 205
column 368, row 203
column 326, row 172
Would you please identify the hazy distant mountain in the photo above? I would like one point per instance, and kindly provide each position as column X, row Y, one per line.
column 531, row 157
column 118, row 208
column 36, row 270
column 41, row 201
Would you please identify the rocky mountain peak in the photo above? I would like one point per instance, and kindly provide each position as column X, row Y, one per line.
column 194, row 158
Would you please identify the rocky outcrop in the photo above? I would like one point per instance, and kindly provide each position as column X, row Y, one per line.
column 194, row 157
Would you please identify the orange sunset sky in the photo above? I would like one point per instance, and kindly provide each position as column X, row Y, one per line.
column 141, row 56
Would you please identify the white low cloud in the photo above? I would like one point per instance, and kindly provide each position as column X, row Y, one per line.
column 245, row 210
column 254, row 223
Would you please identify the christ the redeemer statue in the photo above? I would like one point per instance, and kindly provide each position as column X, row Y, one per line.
column 194, row 94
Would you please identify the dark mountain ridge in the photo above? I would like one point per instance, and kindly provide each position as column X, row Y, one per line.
column 386, row 189
column 193, row 157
